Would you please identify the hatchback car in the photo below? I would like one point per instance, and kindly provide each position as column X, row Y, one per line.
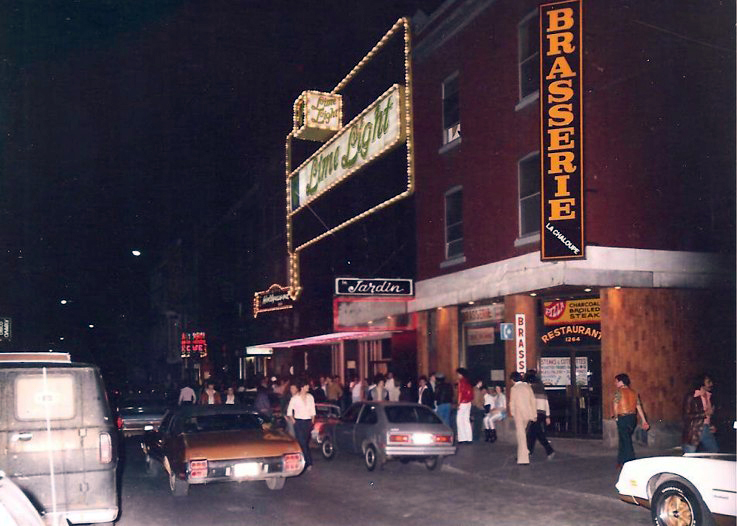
column 205, row 444
column 382, row 431
column 695, row 489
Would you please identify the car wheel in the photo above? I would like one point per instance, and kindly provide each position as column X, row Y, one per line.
column 675, row 504
column 178, row 487
column 373, row 458
column 327, row 449
column 275, row 483
column 433, row 463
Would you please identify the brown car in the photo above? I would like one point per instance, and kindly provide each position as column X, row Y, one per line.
column 204, row 444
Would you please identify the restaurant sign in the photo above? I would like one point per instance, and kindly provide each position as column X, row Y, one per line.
column 562, row 312
column 275, row 298
column 375, row 131
column 561, row 137
column 374, row 287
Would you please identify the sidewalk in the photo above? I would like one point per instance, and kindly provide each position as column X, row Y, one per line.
column 580, row 466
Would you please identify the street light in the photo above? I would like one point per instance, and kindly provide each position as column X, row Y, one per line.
column 136, row 252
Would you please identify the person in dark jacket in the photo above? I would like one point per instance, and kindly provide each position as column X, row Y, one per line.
column 408, row 392
column 425, row 395
column 443, row 397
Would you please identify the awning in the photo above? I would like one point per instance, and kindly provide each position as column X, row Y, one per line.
column 327, row 339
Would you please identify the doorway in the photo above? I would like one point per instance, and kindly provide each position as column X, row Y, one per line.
column 572, row 378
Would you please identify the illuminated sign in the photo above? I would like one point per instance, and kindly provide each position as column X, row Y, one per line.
column 520, row 330
column 194, row 343
column 493, row 312
column 379, row 128
column 317, row 116
column 259, row 351
column 374, row 287
column 561, row 134
column 563, row 312
column 275, row 298
column 573, row 334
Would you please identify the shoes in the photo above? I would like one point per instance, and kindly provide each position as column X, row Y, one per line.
column 492, row 435
column 551, row 455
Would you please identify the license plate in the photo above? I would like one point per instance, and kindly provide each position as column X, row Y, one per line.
column 246, row 469
column 422, row 438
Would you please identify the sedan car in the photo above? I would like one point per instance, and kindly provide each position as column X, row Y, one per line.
column 382, row 431
column 325, row 414
column 205, row 444
column 695, row 489
column 140, row 413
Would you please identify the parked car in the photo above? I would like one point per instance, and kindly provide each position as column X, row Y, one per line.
column 248, row 399
column 326, row 414
column 223, row 443
column 57, row 432
column 382, row 431
column 15, row 508
column 140, row 412
column 691, row 490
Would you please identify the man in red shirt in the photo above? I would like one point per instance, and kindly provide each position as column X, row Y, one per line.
column 463, row 416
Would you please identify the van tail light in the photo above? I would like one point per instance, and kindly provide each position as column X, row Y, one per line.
column 106, row 448
column 395, row 438
column 119, row 423
column 198, row 469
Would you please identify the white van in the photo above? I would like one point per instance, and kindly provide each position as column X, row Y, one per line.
column 59, row 442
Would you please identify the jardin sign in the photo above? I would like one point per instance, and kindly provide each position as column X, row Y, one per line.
column 378, row 129
column 374, row 287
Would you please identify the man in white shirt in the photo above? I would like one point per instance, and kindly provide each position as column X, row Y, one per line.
column 301, row 412
column 392, row 387
column 187, row 396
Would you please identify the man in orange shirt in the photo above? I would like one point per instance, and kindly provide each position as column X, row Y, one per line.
column 627, row 406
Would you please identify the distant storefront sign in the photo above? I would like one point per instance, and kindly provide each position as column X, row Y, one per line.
column 6, row 333
column 520, row 331
column 317, row 115
column 259, row 351
column 479, row 336
column 480, row 313
column 561, row 149
column 557, row 371
column 194, row 344
column 374, row 287
column 276, row 297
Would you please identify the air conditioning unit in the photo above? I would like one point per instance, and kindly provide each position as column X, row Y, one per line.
column 453, row 133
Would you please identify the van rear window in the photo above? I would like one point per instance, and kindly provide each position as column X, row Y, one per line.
column 37, row 398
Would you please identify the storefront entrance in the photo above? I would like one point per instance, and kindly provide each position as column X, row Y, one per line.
column 572, row 379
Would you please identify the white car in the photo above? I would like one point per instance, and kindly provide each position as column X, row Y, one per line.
column 694, row 489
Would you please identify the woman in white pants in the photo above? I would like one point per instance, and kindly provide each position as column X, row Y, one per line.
column 496, row 402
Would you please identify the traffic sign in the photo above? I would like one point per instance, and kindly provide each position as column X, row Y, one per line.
column 507, row 331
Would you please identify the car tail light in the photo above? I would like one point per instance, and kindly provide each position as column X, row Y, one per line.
column 198, row 469
column 444, row 439
column 119, row 423
column 397, row 438
column 292, row 461
column 106, row 448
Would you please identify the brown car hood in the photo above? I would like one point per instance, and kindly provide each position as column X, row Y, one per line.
column 225, row 445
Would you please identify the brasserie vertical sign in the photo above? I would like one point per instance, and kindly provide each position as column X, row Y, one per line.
column 561, row 133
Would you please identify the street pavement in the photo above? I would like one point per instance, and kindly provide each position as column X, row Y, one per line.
column 580, row 474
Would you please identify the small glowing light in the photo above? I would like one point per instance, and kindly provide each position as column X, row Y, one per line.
column 471, row 302
column 533, row 294
column 63, row 302
column 91, row 326
column 61, row 338
column 136, row 252
column 617, row 287
column 587, row 290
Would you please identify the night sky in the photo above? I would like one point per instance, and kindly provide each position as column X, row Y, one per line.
column 123, row 123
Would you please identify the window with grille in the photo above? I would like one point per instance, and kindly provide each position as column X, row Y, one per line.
column 528, row 169
column 451, row 110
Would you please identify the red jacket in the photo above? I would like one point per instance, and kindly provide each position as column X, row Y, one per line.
column 465, row 391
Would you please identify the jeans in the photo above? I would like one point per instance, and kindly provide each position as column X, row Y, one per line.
column 625, row 427
column 707, row 442
column 302, row 429
column 477, row 417
column 536, row 432
column 443, row 412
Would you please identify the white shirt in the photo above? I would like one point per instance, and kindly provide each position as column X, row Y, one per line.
column 301, row 409
column 356, row 392
column 186, row 395
column 419, row 397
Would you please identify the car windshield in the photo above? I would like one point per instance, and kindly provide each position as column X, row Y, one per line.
column 407, row 414
column 150, row 404
column 221, row 422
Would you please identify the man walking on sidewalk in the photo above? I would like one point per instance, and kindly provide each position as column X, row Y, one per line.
column 523, row 409
column 627, row 406
column 536, row 431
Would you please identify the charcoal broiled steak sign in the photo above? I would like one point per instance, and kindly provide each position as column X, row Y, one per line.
column 374, row 287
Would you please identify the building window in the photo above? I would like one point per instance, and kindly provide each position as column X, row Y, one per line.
column 454, row 223
column 451, row 110
column 528, row 169
column 529, row 55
